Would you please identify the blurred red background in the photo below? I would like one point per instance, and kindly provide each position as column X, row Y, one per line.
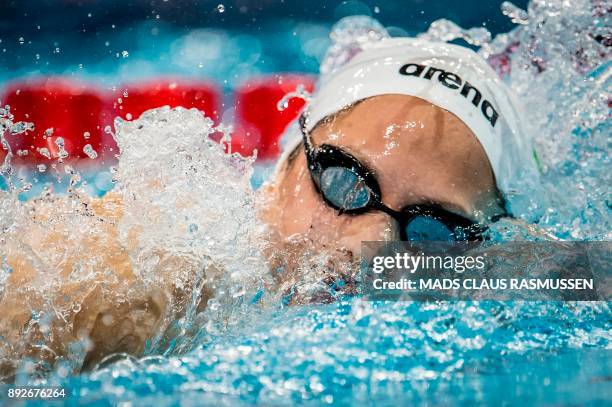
column 80, row 113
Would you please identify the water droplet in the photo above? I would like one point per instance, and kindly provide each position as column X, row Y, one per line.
column 91, row 153
column 125, row 54
column 213, row 304
column 63, row 371
column 445, row 30
column 62, row 153
column 21, row 127
column 221, row 8
column 107, row 319
column 86, row 135
column 21, row 40
column 237, row 291
column 25, row 188
column 44, row 152
column 300, row 92
column 516, row 14
column 41, row 167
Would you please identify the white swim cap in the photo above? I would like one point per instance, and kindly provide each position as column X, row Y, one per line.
column 452, row 77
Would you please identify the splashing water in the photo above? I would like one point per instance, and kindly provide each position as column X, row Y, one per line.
column 517, row 15
column 172, row 189
column 348, row 36
column 9, row 128
column 176, row 186
column 300, row 92
column 445, row 30
column 91, row 153
column 559, row 66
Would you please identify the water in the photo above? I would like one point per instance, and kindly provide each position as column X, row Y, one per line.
column 248, row 347
column 363, row 353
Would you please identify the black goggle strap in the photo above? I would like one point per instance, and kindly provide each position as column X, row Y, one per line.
column 310, row 150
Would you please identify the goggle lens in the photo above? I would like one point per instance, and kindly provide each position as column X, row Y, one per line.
column 344, row 189
column 425, row 228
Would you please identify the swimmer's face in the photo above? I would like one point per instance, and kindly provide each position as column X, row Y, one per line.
column 419, row 154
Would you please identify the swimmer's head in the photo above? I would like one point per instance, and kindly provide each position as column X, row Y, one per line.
column 422, row 128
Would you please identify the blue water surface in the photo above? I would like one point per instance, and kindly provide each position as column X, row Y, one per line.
column 372, row 353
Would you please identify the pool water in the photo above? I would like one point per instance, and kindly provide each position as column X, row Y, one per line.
column 361, row 353
column 383, row 353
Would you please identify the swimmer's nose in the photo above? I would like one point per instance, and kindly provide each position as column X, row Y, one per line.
column 368, row 227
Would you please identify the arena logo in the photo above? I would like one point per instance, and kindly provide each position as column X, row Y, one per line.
column 453, row 81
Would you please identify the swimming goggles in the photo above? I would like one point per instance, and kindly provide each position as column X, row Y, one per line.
column 347, row 185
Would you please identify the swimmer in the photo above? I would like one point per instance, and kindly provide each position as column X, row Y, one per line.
column 408, row 140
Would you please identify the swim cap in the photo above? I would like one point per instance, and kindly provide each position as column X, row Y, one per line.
column 449, row 76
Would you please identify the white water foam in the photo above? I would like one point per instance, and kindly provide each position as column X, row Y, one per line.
column 179, row 229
